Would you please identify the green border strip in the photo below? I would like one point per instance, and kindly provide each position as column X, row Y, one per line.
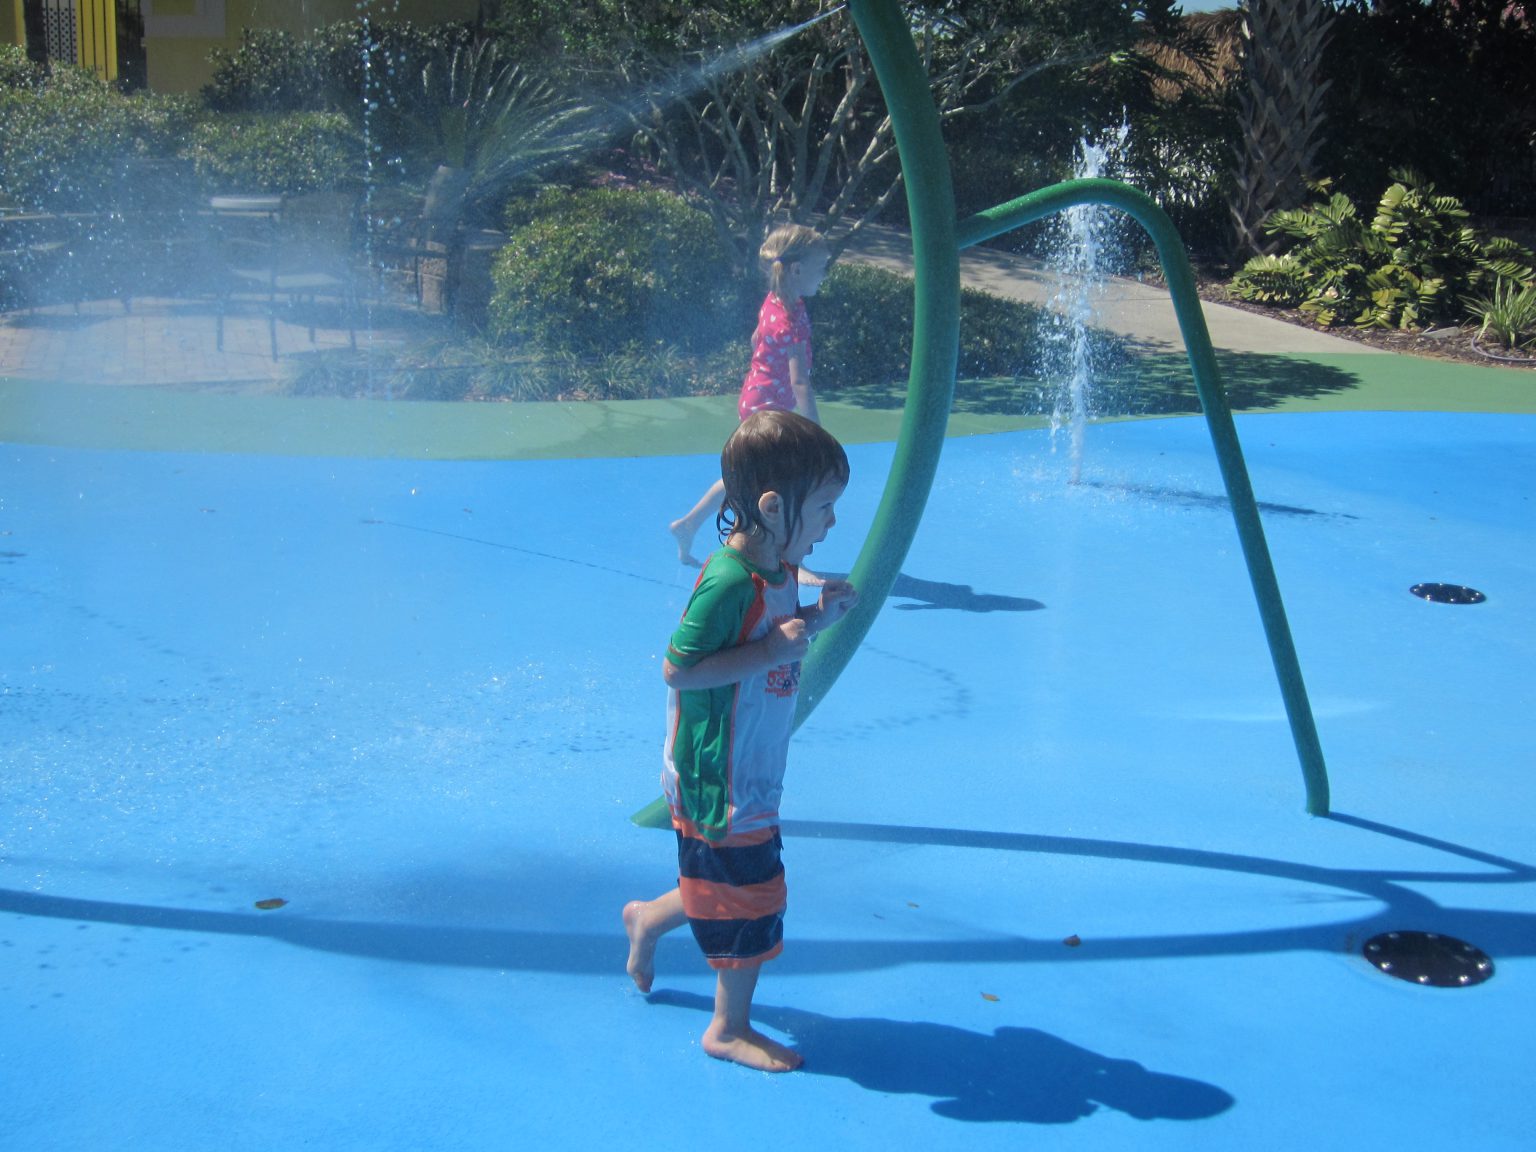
column 115, row 417
column 118, row 417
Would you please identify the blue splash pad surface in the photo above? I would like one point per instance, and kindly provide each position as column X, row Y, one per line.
column 419, row 701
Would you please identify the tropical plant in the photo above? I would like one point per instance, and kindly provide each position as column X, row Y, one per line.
column 1508, row 314
column 1411, row 265
column 484, row 114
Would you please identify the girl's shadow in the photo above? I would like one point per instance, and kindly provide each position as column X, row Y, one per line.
column 1020, row 1075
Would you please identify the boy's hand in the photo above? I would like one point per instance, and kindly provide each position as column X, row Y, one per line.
column 837, row 598
column 789, row 641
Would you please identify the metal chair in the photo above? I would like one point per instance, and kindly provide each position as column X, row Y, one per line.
column 297, row 249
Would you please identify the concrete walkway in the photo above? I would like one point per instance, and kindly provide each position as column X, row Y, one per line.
column 1126, row 307
column 162, row 341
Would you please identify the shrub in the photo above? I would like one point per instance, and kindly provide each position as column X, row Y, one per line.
column 270, row 72
column 67, row 142
column 18, row 70
column 290, row 153
column 863, row 320
column 1412, row 265
column 370, row 71
column 331, row 69
column 602, row 270
column 862, row 328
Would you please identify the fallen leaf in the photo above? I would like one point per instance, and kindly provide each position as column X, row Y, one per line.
column 912, row 905
column 268, row 905
column 989, row 997
column 1073, row 940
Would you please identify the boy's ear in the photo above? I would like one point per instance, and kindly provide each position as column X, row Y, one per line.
column 771, row 508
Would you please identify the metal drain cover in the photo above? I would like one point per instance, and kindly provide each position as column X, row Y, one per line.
column 1429, row 958
column 1448, row 593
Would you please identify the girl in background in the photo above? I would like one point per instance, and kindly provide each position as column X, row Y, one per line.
column 794, row 258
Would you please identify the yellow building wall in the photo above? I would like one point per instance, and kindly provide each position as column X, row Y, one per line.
column 13, row 28
column 181, row 35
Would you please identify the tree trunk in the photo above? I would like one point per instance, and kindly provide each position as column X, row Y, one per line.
column 1281, row 113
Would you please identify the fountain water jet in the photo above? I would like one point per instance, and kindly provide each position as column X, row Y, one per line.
column 1079, row 261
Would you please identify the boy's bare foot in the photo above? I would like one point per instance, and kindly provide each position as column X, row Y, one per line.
column 642, row 946
column 752, row 1049
column 684, row 533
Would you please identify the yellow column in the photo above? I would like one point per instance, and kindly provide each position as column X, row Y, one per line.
column 96, row 36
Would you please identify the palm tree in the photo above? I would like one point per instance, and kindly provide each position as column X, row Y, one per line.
column 1281, row 113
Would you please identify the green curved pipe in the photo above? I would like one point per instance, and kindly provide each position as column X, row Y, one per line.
column 936, row 244
column 935, row 340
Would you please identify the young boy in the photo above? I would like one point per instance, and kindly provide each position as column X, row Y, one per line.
column 732, row 670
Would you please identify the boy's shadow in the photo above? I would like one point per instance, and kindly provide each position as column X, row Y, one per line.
column 1020, row 1075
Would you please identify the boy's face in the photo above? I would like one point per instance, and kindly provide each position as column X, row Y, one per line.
column 816, row 519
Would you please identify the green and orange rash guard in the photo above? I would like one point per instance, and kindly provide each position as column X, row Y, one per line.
column 726, row 747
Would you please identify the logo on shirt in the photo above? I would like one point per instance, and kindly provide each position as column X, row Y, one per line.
column 784, row 680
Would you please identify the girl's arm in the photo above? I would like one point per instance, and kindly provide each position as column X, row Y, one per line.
column 783, row 645
column 800, row 384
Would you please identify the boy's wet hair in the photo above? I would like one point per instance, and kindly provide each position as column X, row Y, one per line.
column 775, row 451
column 785, row 245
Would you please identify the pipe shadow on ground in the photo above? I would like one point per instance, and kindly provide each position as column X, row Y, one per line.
column 930, row 594
column 1500, row 934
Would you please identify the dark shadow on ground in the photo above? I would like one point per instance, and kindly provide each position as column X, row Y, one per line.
column 1190, row 498
column 930, row 594
column 1129, row 380
column 55, row 321
column 1155, row 383
column 1014, row 1075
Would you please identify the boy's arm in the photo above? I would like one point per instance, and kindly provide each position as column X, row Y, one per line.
column 784, row 644
column 836, row 599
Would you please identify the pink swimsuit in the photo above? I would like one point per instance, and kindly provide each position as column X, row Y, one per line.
column 780, row 330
